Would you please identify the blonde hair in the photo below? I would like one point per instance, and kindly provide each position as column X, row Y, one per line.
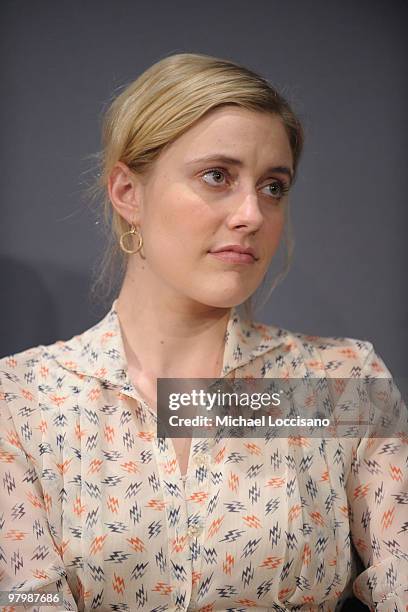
column 157, row 108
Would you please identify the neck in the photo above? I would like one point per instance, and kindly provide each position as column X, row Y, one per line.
column 167, row 336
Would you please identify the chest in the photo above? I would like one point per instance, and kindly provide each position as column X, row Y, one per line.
column 182, row 450
column 255, row 503
column 147, row 389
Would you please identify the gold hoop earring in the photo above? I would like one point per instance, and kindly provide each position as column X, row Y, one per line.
column 132, row 232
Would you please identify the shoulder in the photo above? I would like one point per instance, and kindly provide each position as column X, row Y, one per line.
column 333, row 355
column 19, row 368
column 337, row 354
column 35, row 371
column 24, row 367
column 33, row 365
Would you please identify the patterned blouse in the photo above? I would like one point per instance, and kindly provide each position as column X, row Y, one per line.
column 93, row 505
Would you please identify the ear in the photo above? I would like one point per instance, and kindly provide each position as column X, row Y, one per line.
column 124, row 192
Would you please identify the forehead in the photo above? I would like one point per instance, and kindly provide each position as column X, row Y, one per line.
column 231, row 131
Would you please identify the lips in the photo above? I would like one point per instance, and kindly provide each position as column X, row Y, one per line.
column 233, row 257
column 234, row 254
column 235, row 248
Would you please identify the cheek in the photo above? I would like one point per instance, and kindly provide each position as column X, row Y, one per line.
column 182, row 207
column 179, row 219
column 274, row 231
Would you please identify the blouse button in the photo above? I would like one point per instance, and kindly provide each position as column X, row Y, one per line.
column 194, row 530
column 201, row 459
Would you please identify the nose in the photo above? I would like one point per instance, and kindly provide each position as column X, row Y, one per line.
column 246, row 213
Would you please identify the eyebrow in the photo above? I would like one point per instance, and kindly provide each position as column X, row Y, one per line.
column 237, row 162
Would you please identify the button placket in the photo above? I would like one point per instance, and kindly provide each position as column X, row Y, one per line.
column 201, row 459
column 198, row 515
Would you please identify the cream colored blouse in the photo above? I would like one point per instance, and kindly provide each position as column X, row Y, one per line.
column 92, row 502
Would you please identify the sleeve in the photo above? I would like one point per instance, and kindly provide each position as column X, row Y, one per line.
column 377, row 491
column 29, row 558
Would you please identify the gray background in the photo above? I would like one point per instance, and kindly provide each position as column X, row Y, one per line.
column 342, row 66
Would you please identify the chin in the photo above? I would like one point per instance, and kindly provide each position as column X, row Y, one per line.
column 223, row 300
column 215, row 293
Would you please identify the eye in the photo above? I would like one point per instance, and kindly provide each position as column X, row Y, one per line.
column 277, row 189
column 217, row 175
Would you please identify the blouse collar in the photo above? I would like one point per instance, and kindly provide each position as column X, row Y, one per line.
column 99, row 351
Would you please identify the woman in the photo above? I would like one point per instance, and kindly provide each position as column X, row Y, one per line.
column 199, row 155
